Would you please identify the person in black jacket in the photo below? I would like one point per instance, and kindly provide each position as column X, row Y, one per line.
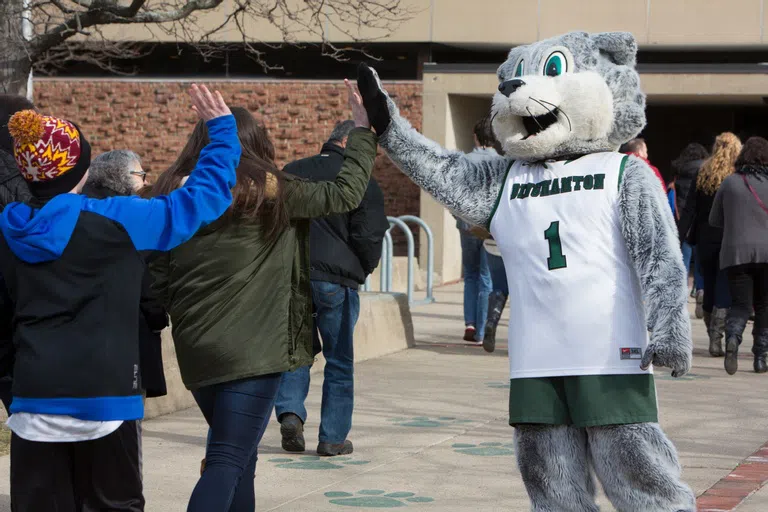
column 13, row 188
column 686, row 168
column 12, row 184
column 119, row 173
column 695, row 228
column 344, row 250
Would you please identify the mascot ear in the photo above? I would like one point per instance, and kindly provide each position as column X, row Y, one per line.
column 619, row 47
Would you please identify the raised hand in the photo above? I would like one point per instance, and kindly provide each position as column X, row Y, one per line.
column 356, row 104
column 374, row 98
column 208, row 106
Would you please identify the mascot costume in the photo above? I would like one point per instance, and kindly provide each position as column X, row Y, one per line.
column 593, row 263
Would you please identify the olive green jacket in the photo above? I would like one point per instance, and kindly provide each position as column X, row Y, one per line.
column 240, row 304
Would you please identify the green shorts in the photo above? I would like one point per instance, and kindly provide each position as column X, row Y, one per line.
column 583, row 401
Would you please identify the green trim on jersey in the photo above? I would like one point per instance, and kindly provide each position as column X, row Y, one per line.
column 498, row 199
column 621, row 170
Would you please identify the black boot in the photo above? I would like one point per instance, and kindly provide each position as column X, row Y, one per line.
column 734, row 329
column 707, row 319
column 496, row 303
column 760, row 349
column 715, row 331
column 292, row 431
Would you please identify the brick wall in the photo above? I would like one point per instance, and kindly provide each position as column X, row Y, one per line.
column 154, row 120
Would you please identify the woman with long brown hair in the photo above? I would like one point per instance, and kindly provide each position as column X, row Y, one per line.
column 696, row 230
column 239, row 296
column 740, row 209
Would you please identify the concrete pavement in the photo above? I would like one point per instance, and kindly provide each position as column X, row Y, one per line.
column 430, row 432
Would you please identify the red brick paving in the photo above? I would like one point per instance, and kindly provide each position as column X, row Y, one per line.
column 738, row 485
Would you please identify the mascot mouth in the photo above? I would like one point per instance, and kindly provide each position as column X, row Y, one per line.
column 537, row 124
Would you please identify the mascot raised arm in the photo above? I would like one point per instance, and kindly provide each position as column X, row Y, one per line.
column 597, row 284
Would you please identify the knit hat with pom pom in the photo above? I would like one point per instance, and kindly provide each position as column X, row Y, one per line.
column 51, row 153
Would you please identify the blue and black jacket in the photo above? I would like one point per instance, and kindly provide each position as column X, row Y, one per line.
column 73, row 273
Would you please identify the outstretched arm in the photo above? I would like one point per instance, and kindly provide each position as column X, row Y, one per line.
column 468, row 186
column 168, row 221
column 651, row 236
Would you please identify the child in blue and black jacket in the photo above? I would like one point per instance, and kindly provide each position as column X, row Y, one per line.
column 72, row 273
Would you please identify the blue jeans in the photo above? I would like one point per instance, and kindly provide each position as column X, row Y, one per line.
column 337, row 310
column 477, row 283
column 698, row 277
column 498, row 274
column 698, row 280
column 237, row 413
column 716, row 292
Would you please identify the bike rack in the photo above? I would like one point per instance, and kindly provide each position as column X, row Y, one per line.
column 387, row 259
column 394, row 221
column 430, row 298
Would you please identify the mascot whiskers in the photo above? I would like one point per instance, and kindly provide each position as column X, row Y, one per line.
column 596, row 279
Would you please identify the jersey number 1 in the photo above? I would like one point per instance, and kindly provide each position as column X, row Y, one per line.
column 556, row 258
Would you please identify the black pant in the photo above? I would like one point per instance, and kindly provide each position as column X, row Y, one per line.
column 749, row 287
column 88, row 476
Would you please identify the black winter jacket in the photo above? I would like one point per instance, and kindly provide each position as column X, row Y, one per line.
column 346, row 248
column 694, row 224
column 684, row 176
column 152, row 318
column 13, row 187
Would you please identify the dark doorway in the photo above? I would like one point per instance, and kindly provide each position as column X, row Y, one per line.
column 671, row 127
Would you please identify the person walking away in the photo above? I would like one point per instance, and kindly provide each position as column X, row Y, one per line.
column 344, row 249
column 740, row 210
column 499, row 294
column 686, row 169
column 639, row 148
column 240, row 300
column 13, row 188
column 71, row 270
column 474, row 259
column 119, row 173
column 695, row 228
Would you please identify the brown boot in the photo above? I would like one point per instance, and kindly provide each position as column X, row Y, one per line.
column 202, row 467
column 716, row 331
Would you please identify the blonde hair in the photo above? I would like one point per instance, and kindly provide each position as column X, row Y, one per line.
column 720, row 165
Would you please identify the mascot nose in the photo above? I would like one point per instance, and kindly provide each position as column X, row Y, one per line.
column 508, row 87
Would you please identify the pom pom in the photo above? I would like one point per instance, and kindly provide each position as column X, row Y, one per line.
column 26, row 127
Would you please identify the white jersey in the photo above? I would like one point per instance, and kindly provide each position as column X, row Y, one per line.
column 576, row 304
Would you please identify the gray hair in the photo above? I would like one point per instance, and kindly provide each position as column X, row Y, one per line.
column 112, row 170
column 341, row 131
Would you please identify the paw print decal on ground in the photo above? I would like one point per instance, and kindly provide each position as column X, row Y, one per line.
column 485, row 449
column 498, row 385
column 315, row 462
column 374, row 498
column 425, row 422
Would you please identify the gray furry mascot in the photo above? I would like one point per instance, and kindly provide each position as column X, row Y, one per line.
column 596, row 278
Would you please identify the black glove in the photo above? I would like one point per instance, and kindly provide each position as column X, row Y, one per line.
column 374, row 99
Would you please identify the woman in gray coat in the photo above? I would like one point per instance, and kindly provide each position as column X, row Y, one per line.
column 741, row 209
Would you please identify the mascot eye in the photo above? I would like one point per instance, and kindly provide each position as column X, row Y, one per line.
column 556, row 64
column 519, row 69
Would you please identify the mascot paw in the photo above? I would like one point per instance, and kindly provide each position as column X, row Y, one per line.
column 677, row 358
column 374, row 98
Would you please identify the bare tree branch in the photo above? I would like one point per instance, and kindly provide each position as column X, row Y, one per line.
column 71, row 30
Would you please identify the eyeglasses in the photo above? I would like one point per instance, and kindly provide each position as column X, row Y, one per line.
column 141, row 174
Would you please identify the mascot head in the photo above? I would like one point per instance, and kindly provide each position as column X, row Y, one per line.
column 570, row 95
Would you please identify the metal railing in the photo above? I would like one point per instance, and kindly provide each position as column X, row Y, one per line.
column 387, row 259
